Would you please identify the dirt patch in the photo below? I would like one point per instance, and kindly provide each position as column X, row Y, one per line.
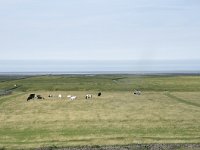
column 131, row 147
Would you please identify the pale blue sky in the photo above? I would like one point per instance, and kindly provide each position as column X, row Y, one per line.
column 99, row 29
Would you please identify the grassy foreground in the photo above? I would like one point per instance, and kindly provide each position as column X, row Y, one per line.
column 168, row 111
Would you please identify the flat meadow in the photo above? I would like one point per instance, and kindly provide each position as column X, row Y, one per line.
column 167, row 111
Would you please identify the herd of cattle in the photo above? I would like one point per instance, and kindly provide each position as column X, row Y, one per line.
column 70, row 97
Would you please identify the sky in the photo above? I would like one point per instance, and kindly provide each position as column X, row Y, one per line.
column 99, row 30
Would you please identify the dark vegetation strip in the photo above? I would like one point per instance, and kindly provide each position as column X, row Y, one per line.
column 8, row 91
column 119, row 78
column 182, row 100
column 13, row 78
column 4, row 93
column 13, row 88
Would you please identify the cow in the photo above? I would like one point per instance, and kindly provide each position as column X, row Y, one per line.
column 99, row 94
column 50, row 95
column 59, row 96
column 31, row 96
column 88, row 96
column 137, row 92
column 72, row 97
column 40, row 97
column 69, row 96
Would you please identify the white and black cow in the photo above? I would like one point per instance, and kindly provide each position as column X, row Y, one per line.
column 88, row 96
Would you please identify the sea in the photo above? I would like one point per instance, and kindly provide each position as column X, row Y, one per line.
column 40, row 67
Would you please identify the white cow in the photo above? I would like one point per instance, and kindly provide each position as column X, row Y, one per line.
column 72, row 97
column 59, row 96
column 69, row 96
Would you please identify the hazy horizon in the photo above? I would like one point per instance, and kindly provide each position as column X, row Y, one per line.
column 95, row 32
column 95, row 66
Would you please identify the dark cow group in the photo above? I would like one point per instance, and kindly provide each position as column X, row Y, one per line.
column 34, row 96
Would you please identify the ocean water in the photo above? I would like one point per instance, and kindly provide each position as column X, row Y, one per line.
column 94, row 66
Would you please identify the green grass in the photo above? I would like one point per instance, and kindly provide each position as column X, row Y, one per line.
column 166, row 112
column 189, row 102
column 106, row 83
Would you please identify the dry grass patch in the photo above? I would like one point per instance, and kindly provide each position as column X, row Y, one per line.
column 113, row 118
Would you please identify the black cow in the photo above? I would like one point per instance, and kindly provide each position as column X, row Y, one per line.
column 40, row 97
column 99, row 94
column 31, row 96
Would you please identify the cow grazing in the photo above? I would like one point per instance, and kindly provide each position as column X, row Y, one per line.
column 72, row 97
column 59, row 96
column 88, row 96
column 137, row 92
column 50, row 95
column 69, row 96
column 40, row 97
column 99, row 94
column 31, row 96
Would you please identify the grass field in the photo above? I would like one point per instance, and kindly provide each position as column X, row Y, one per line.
column 167, row 111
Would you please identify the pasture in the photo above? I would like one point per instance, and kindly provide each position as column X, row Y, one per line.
column 167, row 111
